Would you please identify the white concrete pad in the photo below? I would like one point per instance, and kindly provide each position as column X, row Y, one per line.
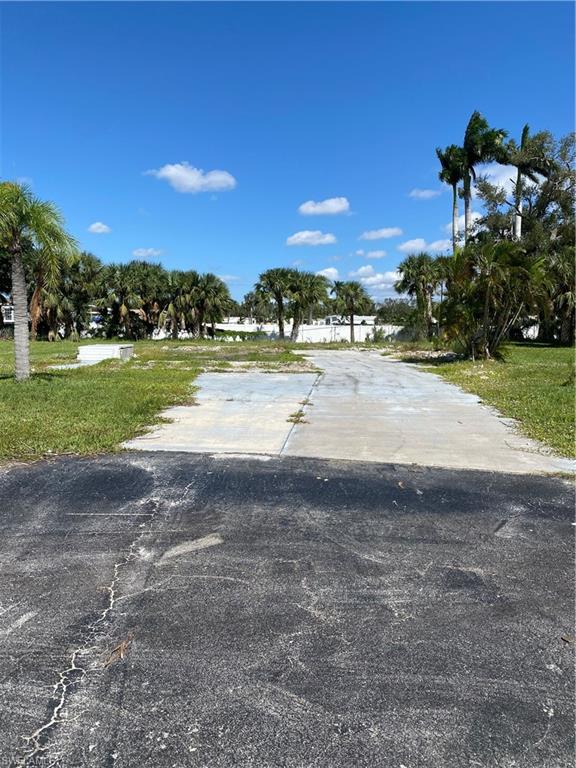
column 233, row 413
column 371, row 408
column 364, row 407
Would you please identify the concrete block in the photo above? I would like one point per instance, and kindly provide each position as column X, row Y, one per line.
column 94, row 353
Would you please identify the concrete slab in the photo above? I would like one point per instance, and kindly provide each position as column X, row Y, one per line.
column 233, row 413
column 371, row 408
column 364, row 407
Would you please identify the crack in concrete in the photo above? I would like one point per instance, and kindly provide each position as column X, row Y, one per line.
column 303, row 407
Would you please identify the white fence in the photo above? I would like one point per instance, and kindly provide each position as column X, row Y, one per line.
column 316, row 333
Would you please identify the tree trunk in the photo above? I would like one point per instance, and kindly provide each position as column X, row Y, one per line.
column 295, row 328
column 454, row 219
column 21, row 334
column 567, row 328
column 485, row 323
column 467, row 208
column 35, row 311
column 280, row 319
column 518, row 207
column 429, row 315
column 420, row 314
column 351, row 329
column 201, row 323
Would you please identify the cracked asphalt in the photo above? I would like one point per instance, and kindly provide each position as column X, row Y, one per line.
column 191, row 610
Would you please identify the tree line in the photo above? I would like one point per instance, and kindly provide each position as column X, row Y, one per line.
column 513, row 266
column 56, row 290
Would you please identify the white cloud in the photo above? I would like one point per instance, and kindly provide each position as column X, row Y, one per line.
column 229, row 278
column 330, row 272
column 419, row 244
column 183, row 177
column 365, row 271
column 381, row 280
column 329, row 207
column 375, row 255
column 380, row 234
column 378, row 284
column 298, row 263
column 424, row 194
column 411, row 246
column 146, row 253
column 311, row 237
column 439, row 245
column 99, row 228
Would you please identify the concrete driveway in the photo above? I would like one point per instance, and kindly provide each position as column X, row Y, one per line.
column 363, row 407
column 165, row 610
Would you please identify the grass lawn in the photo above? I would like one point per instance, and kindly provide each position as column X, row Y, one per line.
column 93, row 409
column 531, row 384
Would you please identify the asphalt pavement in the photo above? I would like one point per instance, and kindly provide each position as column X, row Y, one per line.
column 172, row 609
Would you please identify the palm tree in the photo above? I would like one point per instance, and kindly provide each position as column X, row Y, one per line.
column 180, row 311
column 490, row 263
column 256, row 306
column 210, row 297
column 530, row 159
column 149, row 282
column 481, row 144
column 120, row 298
column 419, row 277
column 213, row 300
column 452, row 162
column 275, row 284
column 80, row 284
column 25, row 218
column 307, row 290
column 352, row 299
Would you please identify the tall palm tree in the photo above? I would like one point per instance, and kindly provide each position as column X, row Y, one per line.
column 275, row 284
column 307, row 290
column 352, row 299
column 481, row 144
column 419, row 277
column 452, row 162
column 23, row 218
column 530, row 159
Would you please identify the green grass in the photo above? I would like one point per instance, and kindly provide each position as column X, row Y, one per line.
column 531, row 384
column 94, row 409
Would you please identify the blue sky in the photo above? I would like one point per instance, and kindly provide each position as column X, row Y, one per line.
column 107, row 108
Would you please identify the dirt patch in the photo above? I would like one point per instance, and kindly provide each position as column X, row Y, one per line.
column 440, row 355
column 244, row 366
